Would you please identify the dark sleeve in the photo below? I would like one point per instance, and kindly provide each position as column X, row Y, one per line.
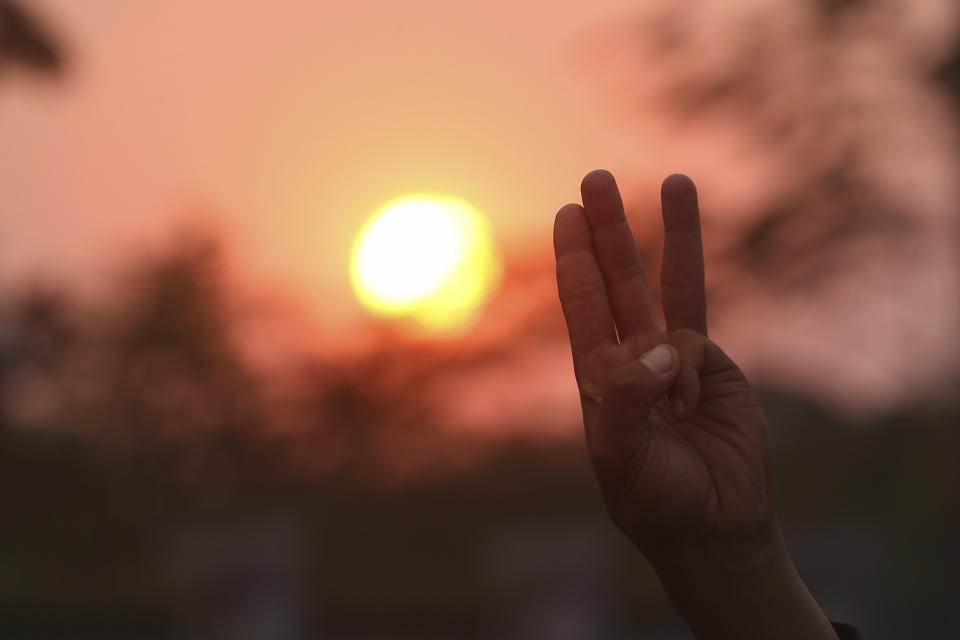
column 846, row 631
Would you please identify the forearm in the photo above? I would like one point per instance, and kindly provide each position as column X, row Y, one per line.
column 741, row 592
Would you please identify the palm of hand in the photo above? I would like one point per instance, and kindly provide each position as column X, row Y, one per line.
column 696, row 462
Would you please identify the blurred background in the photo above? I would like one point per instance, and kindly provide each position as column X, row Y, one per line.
column 205, row 433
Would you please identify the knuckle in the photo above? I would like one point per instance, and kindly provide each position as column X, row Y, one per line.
column 626, row 268
column 578, row 291
column 589, row 391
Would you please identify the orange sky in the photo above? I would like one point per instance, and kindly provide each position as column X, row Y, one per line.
column 287, row 123
column 296, row 123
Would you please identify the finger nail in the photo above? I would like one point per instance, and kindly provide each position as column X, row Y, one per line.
column 659, row 359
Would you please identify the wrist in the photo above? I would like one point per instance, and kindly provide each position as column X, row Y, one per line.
column 745, row 559
column 739, row 589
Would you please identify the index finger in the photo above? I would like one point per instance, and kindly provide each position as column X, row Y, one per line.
column 583, row 294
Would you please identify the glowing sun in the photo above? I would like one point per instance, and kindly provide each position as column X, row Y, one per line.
column 430, row 259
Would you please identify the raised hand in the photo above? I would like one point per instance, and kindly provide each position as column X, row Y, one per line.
column 696, row 462
column 679, row 444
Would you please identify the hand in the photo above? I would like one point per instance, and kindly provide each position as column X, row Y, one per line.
column 694, row 464
column 681, row 449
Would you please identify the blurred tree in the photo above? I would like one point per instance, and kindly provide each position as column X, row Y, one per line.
column 785, row 83
column 26, row 40
column 947, row 73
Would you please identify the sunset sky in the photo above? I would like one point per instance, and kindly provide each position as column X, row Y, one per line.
column 284, row 125
column 292, row 124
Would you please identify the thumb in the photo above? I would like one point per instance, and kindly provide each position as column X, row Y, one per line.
column 635, row 387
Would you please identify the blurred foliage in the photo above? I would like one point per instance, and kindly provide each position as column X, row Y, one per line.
column 26, row 40
column 783, row 82
column 819, row 230
column 947, row 74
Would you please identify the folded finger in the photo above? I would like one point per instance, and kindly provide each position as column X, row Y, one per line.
column 685, row 394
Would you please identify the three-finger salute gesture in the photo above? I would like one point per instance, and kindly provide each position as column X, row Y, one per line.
column 681, row 449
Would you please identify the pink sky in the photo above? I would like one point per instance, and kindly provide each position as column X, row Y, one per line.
column 287, row 123
column 295, row 123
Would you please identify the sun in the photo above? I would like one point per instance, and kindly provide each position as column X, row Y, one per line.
column 425, row 258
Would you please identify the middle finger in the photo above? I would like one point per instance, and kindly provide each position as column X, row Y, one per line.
column 617, row 256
